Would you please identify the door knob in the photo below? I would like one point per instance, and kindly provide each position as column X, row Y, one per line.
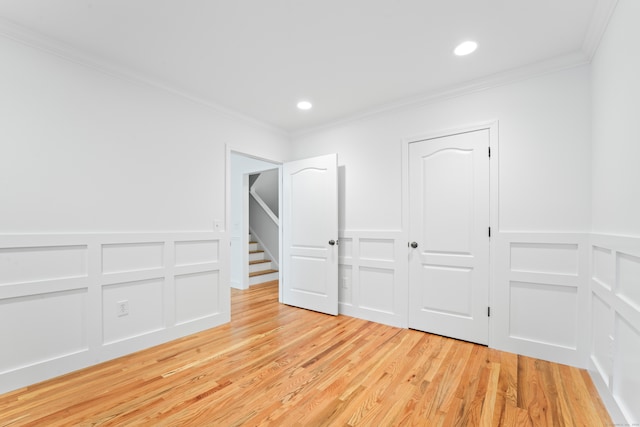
column 332, row 242
column 414, row 245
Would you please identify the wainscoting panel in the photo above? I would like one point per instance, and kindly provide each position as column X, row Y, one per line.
column 373, row 276
column 377, row 249
column 144, row 300
column 197, row 252
column 33, row 264
column 554, row 325
column 602, row 338
column 551, row 258
column 62, row 297
column 346, row 248
column 626, row 378
column 614, row 362
column 602, row 267
column 345, row 273
column 118, row 258
column 627, row 273
column 42, row 338
column 197, row 295
column 540, row 296
column 377, row 289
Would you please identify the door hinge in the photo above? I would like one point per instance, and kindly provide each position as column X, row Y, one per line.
column 488, row 311
column 489, row 231
column 489, row 151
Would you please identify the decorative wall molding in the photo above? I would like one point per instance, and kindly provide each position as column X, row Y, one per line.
column 614, row 301
column 373, row 275
column 174, row 284
column 598, row 25
column 539, row 302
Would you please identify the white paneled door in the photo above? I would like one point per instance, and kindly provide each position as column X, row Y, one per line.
column 310, row 234
column 449, row 236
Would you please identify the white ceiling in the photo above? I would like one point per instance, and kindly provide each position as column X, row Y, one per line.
column 259, row 57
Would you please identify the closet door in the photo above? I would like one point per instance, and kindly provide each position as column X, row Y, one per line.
column 449, row 232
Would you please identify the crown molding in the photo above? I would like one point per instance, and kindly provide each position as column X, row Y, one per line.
column 597, row 26
column 39, row 41
column 514, row 75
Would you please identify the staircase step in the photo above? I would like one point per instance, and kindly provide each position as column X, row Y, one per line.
column 263, row 277
column 256, row 255
column 262, row 272
column 259, row 265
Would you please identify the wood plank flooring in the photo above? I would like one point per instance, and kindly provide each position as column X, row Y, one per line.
column 278, row 365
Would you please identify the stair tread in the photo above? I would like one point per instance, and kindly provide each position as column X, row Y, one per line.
column 259, row 261
column 262, row 272
column 256, row 252
column 251, row 241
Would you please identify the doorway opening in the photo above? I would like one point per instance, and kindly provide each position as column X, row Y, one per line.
column 264, row 226
column 307, row 233
column 254, row 207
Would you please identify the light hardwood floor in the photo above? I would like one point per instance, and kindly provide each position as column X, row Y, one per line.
column 278, row 365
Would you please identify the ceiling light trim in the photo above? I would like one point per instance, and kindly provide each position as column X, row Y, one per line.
column 465, row 48
column 304, row 105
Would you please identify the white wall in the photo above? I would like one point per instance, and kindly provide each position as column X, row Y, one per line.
column 540, row 239
column 544, row 153
column 110, row 191
column 616, row 134
column 615, row 245
column 102, row 154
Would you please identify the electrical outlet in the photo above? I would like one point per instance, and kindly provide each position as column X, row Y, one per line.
column 122, row 308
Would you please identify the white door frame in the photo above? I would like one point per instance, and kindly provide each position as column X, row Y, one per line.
column 227, row 221
column 494, row 204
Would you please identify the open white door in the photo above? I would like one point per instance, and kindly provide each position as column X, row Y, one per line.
column 449, row 220
column 310, row 234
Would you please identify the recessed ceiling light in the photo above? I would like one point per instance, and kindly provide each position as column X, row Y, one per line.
column 465, row 48
column 304, row 105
